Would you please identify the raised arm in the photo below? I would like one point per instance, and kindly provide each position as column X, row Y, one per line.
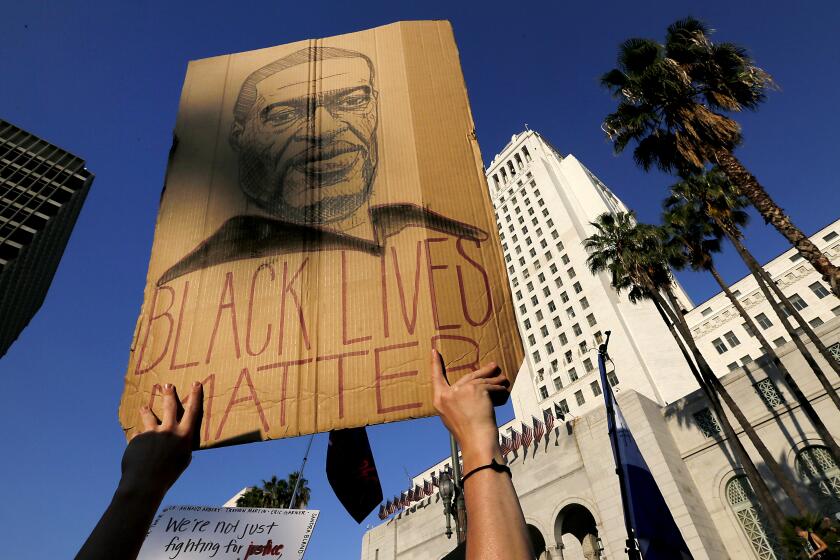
column 152, row 462
column 495, row 524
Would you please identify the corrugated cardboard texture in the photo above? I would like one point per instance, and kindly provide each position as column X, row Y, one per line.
column 325, row 224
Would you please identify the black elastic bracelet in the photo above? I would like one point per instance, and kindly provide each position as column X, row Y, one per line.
column 493, row 465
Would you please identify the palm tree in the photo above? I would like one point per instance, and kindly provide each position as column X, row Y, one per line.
column 711, row 194
column 636, row 259
column 672, row 101
column 276, row 493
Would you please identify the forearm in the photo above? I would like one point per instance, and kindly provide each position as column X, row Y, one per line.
column 495, row 524
column 123, row 527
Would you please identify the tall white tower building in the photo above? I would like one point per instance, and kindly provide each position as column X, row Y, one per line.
column 544, row 204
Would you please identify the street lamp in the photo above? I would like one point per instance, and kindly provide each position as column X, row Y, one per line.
column 447, row 489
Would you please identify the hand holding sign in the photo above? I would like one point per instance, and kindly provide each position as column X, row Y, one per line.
column 152, row 462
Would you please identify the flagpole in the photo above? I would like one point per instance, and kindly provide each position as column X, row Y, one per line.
column 300, row 472
column 460, row 506
column 633, row 552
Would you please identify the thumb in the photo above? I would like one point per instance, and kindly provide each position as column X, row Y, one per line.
column 439, row 381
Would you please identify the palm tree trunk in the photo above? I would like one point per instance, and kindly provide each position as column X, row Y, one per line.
column 800, row 397
column 773, row 214
column 788, row 486
column 756, row 270
column 762, row 491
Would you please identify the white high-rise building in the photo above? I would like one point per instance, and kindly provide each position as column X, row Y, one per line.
column 544, row 204
column 565, row 478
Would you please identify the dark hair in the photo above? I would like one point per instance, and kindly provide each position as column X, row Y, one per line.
column 248, row 92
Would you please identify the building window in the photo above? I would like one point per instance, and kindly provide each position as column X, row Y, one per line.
column 746, row 360
column 706, row 312
column 763, row 321
column 769, row 393
column 612, row 378
column 819, row 469
column 742, row 501
column 541, row 277
column 543, row 392
column 587, row 365
column 584, row 303
column 553, row 269
column 554, row 234
column 798, row 303
column 558, row 383
column 522, row 309
column 815, row 322
column 546, row 291
column 533, row 300
column 596, row 388
column 527, row 324
column 532, row 252
column 564, row 340
column 568, row 356
column 573, row 376
column 577, row 330
column 819, row 290
column 579, row 397
column 719, row 345
column 554, row 366
column 543, row 243
column 549, row 347
column 599, row 338
column 551, row 306
column 571, row 272
column 577, row 287
column 530, row 286
column 591, row 319
column 539, row 315
column 531, row 340
column 830, row 236
column 557, row 322
column 564, row 297
column 570, row 312
column 550, row 223
column 707, row 423
column 563, row 406
column 731, row 339
column 518, row 295
column 795, row 257
column 544, row 330
column 733, row 366
column 536, row 355
column 779, row 341
column 564, row 258
column 583, row 348
column 748, row 330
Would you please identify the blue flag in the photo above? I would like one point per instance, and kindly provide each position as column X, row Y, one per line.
column 656, row 532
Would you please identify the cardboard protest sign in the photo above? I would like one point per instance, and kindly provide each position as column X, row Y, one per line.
column 193, row 532
column 325, row 224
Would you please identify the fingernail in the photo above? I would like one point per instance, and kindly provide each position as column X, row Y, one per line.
column 196, row 384
column 144, row 408
column 167, row 387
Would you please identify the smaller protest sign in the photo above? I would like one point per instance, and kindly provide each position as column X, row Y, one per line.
column 193, row 532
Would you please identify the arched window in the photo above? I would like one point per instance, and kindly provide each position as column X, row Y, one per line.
column 816, row 466
column 741, row 499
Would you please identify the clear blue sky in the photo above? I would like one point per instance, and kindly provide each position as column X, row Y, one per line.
column 102, row 79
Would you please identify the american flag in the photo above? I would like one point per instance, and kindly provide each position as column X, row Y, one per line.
column 427, row 487
column 558, row 412
column 549, row 420
column 505, row 445
column 539, row 430
column 516, row 440
column 383, row 512
column 392, row 507
column 527, row 435
column 418, row 493
column 435, row 482
column 404, row 499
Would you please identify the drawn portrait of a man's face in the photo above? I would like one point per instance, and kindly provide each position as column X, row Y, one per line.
column 306, row 144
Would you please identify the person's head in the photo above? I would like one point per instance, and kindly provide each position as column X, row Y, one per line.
column 801, row 532
column 305, row 130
